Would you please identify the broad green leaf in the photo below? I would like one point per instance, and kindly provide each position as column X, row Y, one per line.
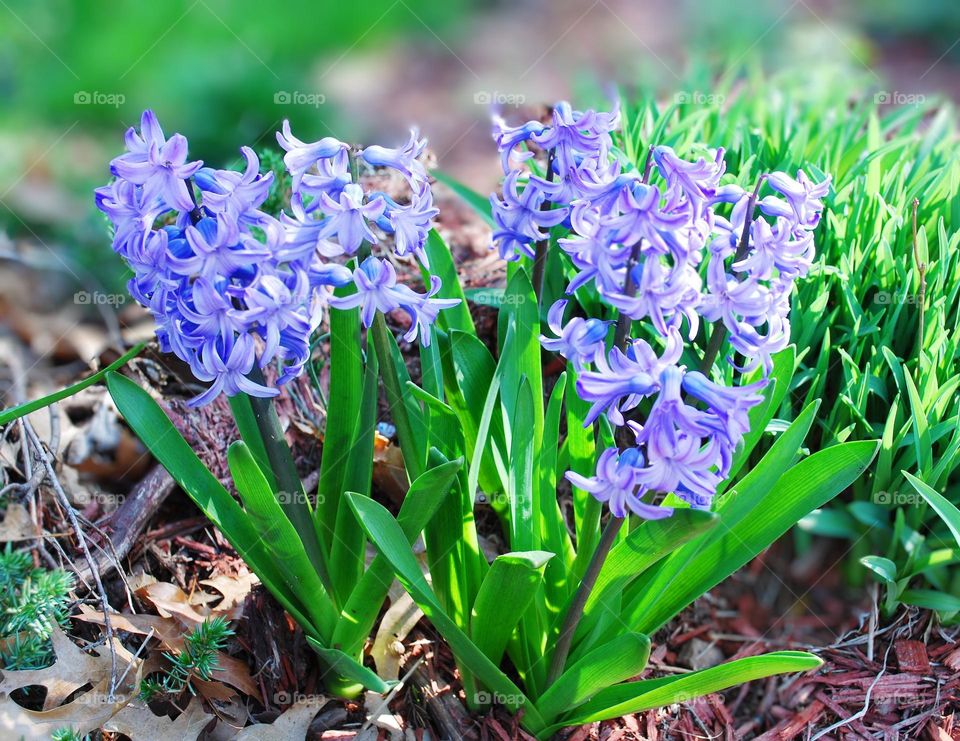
column 942, row 506
column 784, row 363
column 553, row 528
column 246, row 422
column 512, row 580
column 279, row 536
column 931, row 600
column 524, row 530
column 343, row 412
column 635, row 697
column 882, row 567
column 921, row 431
column 581, row 458
column 753, row 516
column 643, row 546
column 518, row 331
column 456, row 562
column 623, row 657
column 442, row 265
column 390, row 540
column 420, row 503
column 469, row 370
column 350, row 668
column 934, row 559
column 406, row 413
column 167, row 445
column 348, row 545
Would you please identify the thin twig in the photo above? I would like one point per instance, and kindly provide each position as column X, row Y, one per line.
column 44, row 458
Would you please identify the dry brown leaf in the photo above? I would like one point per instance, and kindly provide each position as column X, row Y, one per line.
column 139, row 579
column 169, row 632
column 72, row 669
column 292, row 725
column 137, row 721
column 169, row 600
column 234, row 672
column 213, row 690
column 233, row 588
column 88, row 712
column 18, row 525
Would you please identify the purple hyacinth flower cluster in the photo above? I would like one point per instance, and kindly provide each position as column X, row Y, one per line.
column 332, row 215
column 231, row 287
column 665, row 245
column 213, row 271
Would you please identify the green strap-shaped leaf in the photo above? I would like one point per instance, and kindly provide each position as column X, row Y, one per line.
column 279, row 536
column 643, row 547
column 421, row 501
column 406, row 413
column 635, row 697
column 752, row 518
column 469, row 371
column 930, row 599
column 512, row 580
column 390, row 540
column 581, row 458
column 623, row 657
column 348, row 544
column 882, row 567
column 167, row 445
column 246, row 422
column 350, row 668
column 942, row 506
column 554, row 536
column 442, row 265
column 518, row 330
column 343, row 412
column 784, row 363
column 524, row 530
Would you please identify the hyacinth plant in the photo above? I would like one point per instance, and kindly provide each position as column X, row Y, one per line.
column 658, row 286
column 237, row 293
column 661, row 286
